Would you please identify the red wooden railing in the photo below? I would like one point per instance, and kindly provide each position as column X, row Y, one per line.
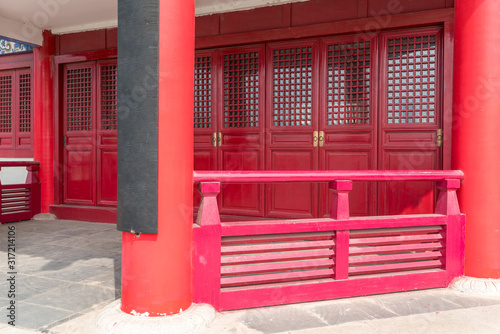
column 20, row 201
column 242, row 264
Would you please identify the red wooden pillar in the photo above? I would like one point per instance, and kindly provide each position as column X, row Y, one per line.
column 157, row 267
column 43, row 117
column 476, row 131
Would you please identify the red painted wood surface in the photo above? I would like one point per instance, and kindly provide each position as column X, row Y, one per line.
column 324, row 176
column 20, row 201
column 410, row 115
column 16, row 90
column 44, row 117
column 296, row 260
column 476, row 131
column 89, row 130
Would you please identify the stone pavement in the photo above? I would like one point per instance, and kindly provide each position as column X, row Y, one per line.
column 67, row 271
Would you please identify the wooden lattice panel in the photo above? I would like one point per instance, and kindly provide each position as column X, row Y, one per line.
column 273, row 258
column 381, row 251
column 348, row 83
column 79, row 99
column 241, row 89
column 25, row 102
column 6, row 103
column 203, row 92
column 411, row 80
column 108, row 97
column 292, row 86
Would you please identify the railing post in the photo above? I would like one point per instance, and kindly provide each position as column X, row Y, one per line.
column 207, row 247
column 340, row 199
column 447, row 201
column 340, row 210
column 447, row 204
column 208, row 213
column 35, row 189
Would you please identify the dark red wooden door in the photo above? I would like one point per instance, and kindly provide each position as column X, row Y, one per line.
column 107, row 141
column 292, row 140
column 89, row 130
column 348, row 117
column 205, row 116
column 15, row 109
column 241, row 126
column 411, row 116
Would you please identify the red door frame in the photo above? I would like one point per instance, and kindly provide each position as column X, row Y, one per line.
column 59, row 61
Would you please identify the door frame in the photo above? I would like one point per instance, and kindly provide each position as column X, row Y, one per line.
column 58, row 96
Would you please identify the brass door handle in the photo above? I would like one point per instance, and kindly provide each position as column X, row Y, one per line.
column 315, row 138
column 321, row 138
column 219, row 139
column 214, row 139
column 439, row 137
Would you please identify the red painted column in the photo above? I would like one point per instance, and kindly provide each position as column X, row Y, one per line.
column 157, row 272
column 476, row 131
column 43, row 116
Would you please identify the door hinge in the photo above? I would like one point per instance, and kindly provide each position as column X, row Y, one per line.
column 315, row 138
column 439, row 137
column 64, row 141
column 219, row 139
column 214, row 139
column 321, row 138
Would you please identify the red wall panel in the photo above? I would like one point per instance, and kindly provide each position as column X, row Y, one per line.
column 111, row 38
column 82, row 41
column 387, row 7
column 207, row 25
column 320, row 11
column 255, row 19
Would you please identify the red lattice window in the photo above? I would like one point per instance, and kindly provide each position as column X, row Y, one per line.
column 241, row 90
column 6, row 103
column 79, row 99
column 348, row 83
column 108, row 97
column 411, row 80
column 292, row 86
column 25, row 102
column 203, row 92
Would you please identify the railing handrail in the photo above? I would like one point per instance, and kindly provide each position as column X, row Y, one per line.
column 276, row 176
column 18, row 163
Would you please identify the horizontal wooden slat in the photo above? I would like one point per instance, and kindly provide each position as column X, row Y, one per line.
column 15, row 199
column 394, row 258
column 15, row 205
column 395, row 240
column 385, row 268
column 274, row 267
column 14, row 210
column 395, row 231
column 273, row 247
column 273, row 278
column 395, row 248
column 274, row 257
column 238, row 240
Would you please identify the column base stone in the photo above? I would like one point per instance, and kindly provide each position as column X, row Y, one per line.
column 112, row 320
column 480, row 286
column 44, row 216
